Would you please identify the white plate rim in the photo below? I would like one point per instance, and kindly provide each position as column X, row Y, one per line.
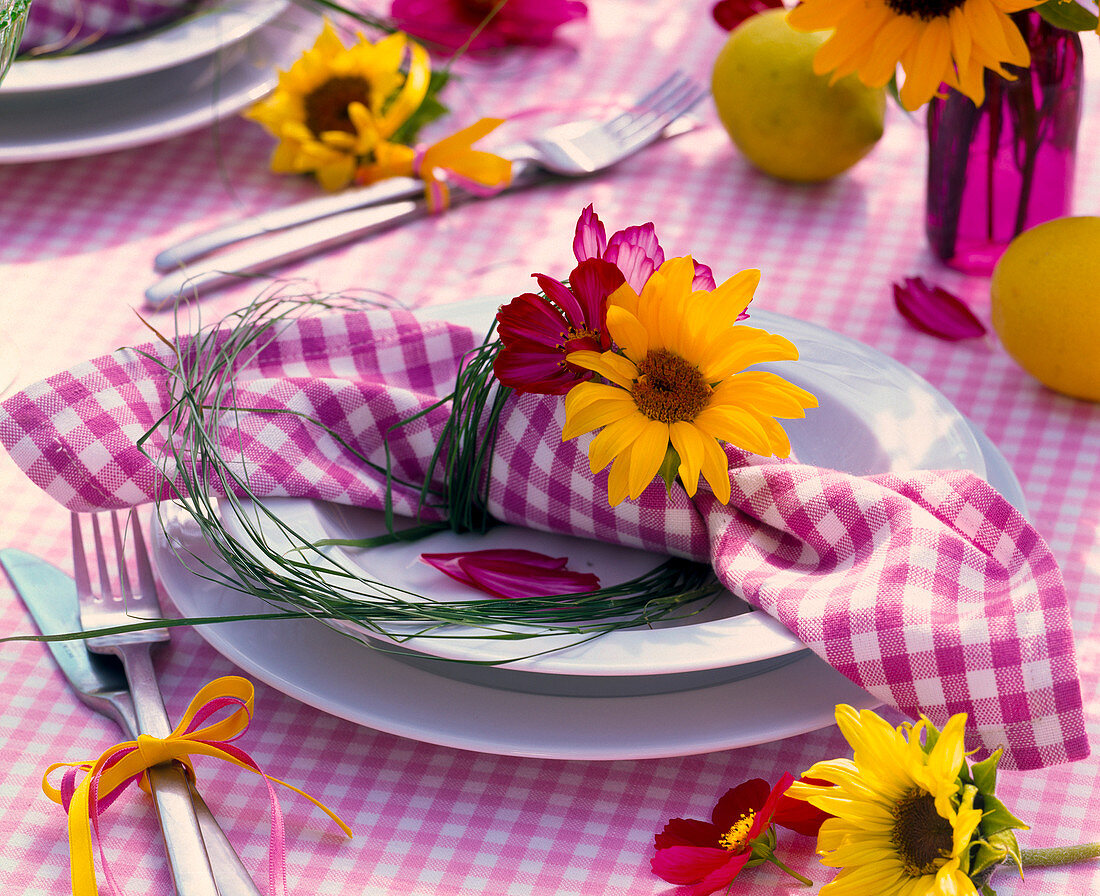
column 198, row 34
column 331, row 672
column 703, row 645
column 238, row 86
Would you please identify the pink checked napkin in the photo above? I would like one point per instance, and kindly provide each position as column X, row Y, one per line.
column 929, row 590
column 54, row 25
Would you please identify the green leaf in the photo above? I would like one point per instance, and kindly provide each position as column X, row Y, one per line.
column 985, row 772
column 669, row 467
column 430, row 109
column 996, row 817
column 1068, row 15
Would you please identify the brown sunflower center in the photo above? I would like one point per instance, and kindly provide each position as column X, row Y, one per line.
column 669, row 388
column 734, row 838
column 927, row 10
column 921, row 835
column 326, row 106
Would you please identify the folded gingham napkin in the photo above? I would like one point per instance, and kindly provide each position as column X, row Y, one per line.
column 929, row 589
column 54, row 25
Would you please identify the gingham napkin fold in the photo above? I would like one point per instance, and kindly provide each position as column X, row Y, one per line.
column 929, row 589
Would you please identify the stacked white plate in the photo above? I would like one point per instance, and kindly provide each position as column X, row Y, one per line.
column 727, row 678
column 151, row 86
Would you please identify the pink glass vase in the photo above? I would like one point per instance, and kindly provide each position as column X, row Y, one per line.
column 997, row 169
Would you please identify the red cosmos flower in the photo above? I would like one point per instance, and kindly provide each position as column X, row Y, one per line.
column 731, row 13
column 539, row 332
column 708, row 855
column 449, row 23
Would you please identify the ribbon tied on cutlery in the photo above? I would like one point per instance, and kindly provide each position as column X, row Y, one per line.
column 927, row 589
column 105, row 778
column 451, row 162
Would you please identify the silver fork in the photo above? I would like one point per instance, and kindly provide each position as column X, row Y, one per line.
column 115, row 604
column 306, row 228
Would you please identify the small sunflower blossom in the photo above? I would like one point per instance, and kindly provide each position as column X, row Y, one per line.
column 336, row 105
column 539, row 331
column 910, row 817
column 677, row 387
column 709, row 855
column 936, row 42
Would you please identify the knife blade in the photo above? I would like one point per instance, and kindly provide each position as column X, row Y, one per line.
column 308, row 228
column 100, row 682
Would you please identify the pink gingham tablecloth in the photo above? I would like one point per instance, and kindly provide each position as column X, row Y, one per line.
column 76, row 241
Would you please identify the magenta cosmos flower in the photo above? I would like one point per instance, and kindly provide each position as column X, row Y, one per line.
column 634, row 251
column 538, row 332
column 708, row 855
column 449, row 23
column 513, row 572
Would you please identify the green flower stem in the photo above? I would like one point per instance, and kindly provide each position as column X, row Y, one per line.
column 1059, row 855
column 805, row 881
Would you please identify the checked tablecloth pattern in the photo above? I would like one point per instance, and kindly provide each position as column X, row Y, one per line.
column 929, row 590
column 77, row 239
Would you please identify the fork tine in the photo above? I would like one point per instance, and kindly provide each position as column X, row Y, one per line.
column 651, row 129
column 80, row 560
column 146, row 579
column 101, row 559
column 675, row 103
column 120, row 555
column 645, row 102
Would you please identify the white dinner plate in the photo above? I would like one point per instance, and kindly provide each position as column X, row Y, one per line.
column 214, row 25
column 316, row 664
column 875, row 415
column 324, row 668
column 329, row 671
column 122, row 114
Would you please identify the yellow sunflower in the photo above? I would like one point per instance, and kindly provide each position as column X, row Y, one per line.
column 936, row 42
column 336, row 104
column 676, row 390
column 904, row 821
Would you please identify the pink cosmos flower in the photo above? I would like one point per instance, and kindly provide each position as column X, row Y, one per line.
column 506, row 572
column 449, row 23
column 708, row 855
column 538, row 332
column 634, row 251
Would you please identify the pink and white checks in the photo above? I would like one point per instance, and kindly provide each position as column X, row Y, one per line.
column 929, row 590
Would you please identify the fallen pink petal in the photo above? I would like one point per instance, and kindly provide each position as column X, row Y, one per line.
column 935, row 311
column 513, row 572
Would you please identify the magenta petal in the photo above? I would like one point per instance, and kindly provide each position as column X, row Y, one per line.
column 531, row 317
column 636, row 252
column 506, row 572
column 704, row 279
column 537, row 372
column 935, row 311
column 590, row 239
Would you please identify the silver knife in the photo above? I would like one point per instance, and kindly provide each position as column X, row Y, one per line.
column 100, row 682
column 293, row 243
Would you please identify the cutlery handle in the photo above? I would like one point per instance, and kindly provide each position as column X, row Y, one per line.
column 183, row 843
column 294, row 215
column 281, row 248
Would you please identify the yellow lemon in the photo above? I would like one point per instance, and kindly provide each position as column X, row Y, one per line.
column 785, row 119
column 1045, row 304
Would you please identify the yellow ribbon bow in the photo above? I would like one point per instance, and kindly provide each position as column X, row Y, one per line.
column 452, row 160
column 115, row 768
